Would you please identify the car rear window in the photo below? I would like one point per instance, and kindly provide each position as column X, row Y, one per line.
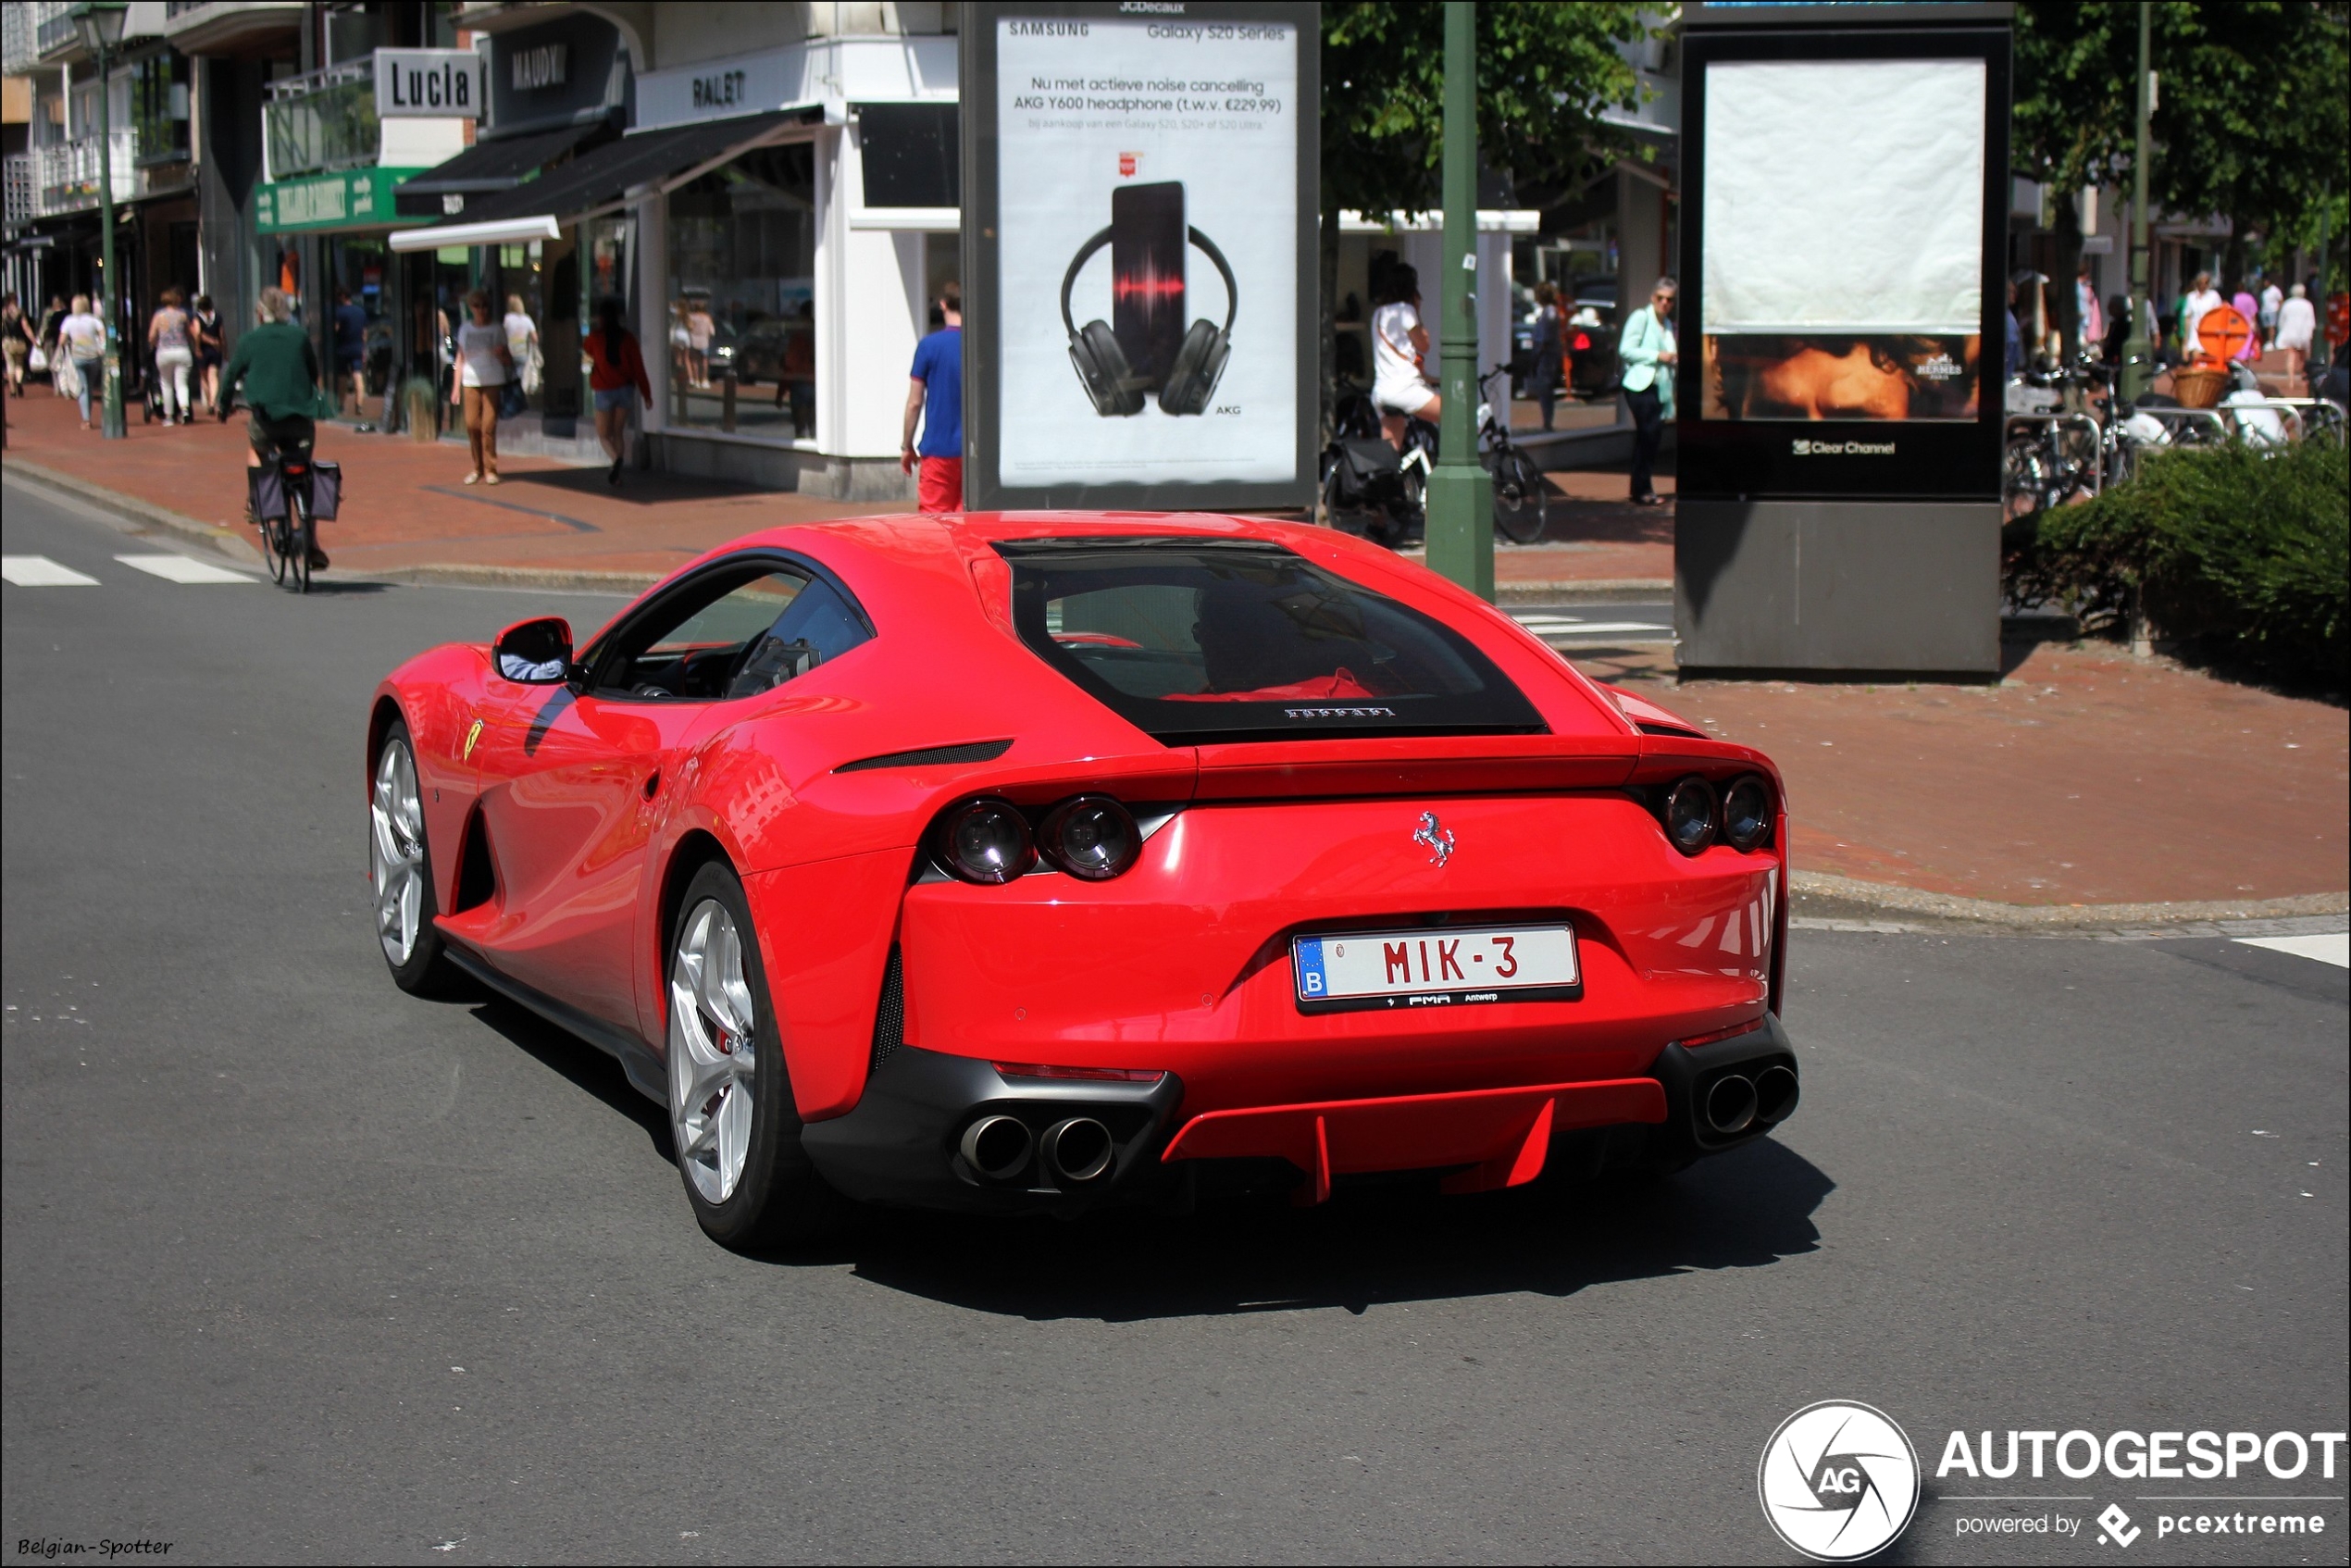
column 1196, row 641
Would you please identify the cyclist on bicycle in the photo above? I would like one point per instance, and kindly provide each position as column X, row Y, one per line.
column 1400, row 389
column 280, row 370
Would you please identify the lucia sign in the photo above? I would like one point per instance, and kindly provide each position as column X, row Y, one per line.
column 443, row 83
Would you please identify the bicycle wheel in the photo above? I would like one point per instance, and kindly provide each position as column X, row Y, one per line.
column 299, row 526
column 273, row 548
column 1522, row 497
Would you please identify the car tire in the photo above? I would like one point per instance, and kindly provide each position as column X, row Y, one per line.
column 399, row 871
column 731, row 1113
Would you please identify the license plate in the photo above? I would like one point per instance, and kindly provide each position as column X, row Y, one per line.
column 1436, row 966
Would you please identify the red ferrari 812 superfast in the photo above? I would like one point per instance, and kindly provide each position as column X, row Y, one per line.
column 1036, row 862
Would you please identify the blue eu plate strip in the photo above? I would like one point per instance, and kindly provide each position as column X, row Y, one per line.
column 1307, row 952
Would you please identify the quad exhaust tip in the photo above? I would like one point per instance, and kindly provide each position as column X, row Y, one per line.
column 997, row 1147
column 1730, row 1104
column 1775, row 1094
column 1079, row 1149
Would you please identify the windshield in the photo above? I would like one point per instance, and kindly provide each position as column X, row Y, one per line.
column 1196, row 641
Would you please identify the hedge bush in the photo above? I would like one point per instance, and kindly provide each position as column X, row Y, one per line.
column 2234, row 557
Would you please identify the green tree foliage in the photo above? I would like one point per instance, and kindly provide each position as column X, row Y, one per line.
column 2251, row 122
column 1546, row 73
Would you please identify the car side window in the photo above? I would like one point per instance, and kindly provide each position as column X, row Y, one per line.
column 734, row 634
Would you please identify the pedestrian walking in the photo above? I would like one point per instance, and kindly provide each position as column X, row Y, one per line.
column 211, row 348
column 700, row 331
column 2091, row 318
column 522, row 346
column 82, row 342
column 483, row 364
column 1549, row 349
column 169, row 343
column 44, row 343
column 2118, row 328
column 2298, row 324
column 616, row 380
column 2248, row 306
column 935, row 404
column 351, row 351
column 2271, row 297
column 1647, row 354
column 2012, row 353
column 2197, row 303
column 15, row 342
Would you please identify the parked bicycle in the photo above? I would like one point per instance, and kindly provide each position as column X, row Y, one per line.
column 1522, row 496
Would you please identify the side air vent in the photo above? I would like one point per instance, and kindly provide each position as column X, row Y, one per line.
column 476, row 878
column 890, row 1018
column 1677, row 731
column 975, row 751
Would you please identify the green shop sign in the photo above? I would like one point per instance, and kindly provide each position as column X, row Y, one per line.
column 356, row 198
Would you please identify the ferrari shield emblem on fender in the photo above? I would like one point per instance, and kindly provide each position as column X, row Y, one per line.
column 472, row 736
column 1439, row 839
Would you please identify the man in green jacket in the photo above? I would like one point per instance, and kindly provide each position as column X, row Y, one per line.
column 281, row 371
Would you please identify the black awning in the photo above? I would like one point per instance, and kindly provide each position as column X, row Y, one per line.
column 598, row 179
column 495, row 166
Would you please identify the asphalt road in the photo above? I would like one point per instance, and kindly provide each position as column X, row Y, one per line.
column 297, row 1267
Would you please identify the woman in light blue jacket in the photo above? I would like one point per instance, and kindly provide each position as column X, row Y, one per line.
column 1646, row 357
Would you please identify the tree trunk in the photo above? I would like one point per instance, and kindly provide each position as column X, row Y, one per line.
column 1327, row 358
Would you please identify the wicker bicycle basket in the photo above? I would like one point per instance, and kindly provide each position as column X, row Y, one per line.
column 2199, row 386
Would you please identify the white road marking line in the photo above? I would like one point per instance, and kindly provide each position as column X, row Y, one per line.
column 181, row 568
column 1587, row 628
column 2333, row 948
column 38, row 571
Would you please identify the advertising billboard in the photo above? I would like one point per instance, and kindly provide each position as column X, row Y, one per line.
column 1139, row 231
column 1873, row 308
column 1843, row 233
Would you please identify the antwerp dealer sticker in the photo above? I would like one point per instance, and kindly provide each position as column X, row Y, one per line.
column 1838, row 1480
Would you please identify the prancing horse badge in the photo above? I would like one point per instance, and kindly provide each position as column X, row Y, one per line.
column 1439, row 839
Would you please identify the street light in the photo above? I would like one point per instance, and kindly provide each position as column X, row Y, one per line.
column 100, row 24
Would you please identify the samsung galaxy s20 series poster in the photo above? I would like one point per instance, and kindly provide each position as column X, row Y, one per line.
column 1166, row 146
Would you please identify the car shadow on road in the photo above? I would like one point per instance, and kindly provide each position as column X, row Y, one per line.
column 1376, row 1244
column 575, row 1061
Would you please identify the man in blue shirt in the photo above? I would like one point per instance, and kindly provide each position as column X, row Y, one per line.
column 934, row 402
column 351, row 349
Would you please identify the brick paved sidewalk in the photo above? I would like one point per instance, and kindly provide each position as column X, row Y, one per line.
column 2086, row 778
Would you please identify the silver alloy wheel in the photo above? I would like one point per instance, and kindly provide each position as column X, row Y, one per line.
column 712, row 1050
column 396, row 846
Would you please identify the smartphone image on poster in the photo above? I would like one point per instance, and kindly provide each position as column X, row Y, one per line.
column 1147, row 276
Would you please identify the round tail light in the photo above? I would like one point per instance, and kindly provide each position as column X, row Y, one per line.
column 1691, row 814
column 1091, row 837
column 1746, row 812
column 988, row 842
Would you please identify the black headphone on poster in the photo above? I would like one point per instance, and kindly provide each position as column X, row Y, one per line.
column 1199, row 361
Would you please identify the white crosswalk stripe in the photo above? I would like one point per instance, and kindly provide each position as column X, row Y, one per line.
column 2328, row 948
column 38, row 571
column 1552, row 627
column 183, row 568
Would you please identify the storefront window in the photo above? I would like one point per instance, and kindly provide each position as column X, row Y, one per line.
column 741, row 300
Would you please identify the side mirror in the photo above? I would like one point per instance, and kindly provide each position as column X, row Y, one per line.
column 534, row 652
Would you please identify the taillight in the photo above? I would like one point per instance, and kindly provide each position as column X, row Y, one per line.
column 1691, row 814
column 1582, row 342
column 1091, row 837
column 1086, row 1075
column 988, row 842
column 1746, row 812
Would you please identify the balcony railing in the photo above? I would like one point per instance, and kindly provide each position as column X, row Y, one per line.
column 65, row 175
column 24, row 204
column 53, row 28
column 323, row 121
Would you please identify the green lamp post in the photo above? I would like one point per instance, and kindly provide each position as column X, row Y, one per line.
column 1460, row 494
column 2138, row 355
column 100, row 24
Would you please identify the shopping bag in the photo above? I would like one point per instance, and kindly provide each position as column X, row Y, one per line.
column 37, row 361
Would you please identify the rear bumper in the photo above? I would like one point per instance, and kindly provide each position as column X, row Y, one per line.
column 902, row 1144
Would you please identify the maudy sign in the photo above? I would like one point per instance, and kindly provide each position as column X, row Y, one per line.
column 415, row 84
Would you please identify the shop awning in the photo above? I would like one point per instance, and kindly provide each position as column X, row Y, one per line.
column 496, row 166
column 601, row 181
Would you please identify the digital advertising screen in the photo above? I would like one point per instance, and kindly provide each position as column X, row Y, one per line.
column 1844, row 240
column 1142, row 323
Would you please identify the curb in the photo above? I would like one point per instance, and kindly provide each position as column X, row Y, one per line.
column 229, row 542
column 2059, row 917
column 455, row 574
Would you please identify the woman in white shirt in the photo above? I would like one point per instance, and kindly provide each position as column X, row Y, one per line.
column 2298, row 324
column 81, row 338
column 522, row 342
column 1401, row 390
column 483, row 364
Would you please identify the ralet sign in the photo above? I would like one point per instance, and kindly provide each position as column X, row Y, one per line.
column 438, row 83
